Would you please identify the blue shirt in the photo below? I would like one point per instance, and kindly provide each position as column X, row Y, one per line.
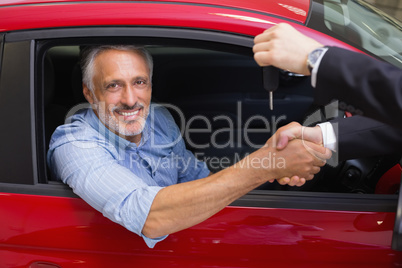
column 117, row 177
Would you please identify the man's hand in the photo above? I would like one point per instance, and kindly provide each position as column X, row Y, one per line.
column 295, row 131
column 284, row 47
column 301, row 158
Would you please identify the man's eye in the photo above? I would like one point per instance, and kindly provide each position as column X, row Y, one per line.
column 112, row 86
column 141, row 83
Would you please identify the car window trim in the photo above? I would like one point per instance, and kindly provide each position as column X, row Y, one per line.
column 58, row 189
column 318, row 201
column 255, row 199
column 1, row 48
column 397, row 233
column 33, row 122
column 192, row 34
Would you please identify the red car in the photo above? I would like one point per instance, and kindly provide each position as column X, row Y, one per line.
column 205, row 73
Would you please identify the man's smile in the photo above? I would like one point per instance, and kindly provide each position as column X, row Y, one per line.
column 128, row 113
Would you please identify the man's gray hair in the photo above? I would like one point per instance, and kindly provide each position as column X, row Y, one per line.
column 88, row 55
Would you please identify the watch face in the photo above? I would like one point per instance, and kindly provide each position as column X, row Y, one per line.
column 313, row 57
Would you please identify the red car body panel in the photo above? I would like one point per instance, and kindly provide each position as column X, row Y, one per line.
column 90, row 14
column 45, row 231
column 67, row 232
column 293, row 10
column 173, row 15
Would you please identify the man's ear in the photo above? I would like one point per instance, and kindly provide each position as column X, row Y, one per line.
column 87, row 94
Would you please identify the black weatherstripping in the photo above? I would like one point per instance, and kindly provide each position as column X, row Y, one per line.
column 319, row 201
column 1, row 47
column 159, row 32
column 51, row 189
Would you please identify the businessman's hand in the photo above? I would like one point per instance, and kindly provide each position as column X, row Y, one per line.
column 284, row 47
column 296, row 131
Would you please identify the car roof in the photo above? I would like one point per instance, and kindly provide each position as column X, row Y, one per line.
column 296, row 10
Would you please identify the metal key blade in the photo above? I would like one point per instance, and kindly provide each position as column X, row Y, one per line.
column 270, row 81
column 271, row 100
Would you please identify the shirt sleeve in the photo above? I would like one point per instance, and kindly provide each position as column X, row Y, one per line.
column 90, row 168
column 329, row 136
column 315, row 69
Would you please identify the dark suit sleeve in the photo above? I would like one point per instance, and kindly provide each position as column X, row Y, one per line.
column 359, row 136
column 367, row 86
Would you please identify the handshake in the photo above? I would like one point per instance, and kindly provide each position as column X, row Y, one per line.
column 299, row 155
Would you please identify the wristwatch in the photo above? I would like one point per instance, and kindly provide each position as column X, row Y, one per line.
column 313, row 57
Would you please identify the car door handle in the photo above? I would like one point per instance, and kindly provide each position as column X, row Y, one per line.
column 44, row 264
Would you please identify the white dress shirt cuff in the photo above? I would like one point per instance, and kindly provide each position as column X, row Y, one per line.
column 315, row 69
column 328, row 136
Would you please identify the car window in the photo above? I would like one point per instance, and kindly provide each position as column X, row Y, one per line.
column 366, row 27
column 216, row 96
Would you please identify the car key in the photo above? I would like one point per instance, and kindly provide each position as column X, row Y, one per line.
column 270, row 76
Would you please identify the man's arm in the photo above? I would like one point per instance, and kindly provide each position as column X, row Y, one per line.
column 372, row 87
column 356, row 137
column 359, row 136
column 92, row 170
column 180, row 206
column 367, row 85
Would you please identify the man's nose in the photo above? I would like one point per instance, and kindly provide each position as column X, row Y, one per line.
column 129, row 96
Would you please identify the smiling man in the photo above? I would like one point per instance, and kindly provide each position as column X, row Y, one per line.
column 125, row 156
column 112, row 72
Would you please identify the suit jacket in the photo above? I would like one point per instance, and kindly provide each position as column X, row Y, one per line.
column 359, row 136
column 365, row 85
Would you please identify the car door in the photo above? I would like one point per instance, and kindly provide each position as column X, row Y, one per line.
column 44, row 224
column 47, row 224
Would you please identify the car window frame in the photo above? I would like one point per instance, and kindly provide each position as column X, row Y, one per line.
column 396, row 243
column 257, row 198
column 1, row 47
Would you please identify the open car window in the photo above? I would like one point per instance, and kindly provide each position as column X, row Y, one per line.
column 215, row 94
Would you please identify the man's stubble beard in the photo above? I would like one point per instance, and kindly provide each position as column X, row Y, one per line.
column 105, row 115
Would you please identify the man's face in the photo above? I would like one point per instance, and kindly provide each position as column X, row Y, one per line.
column 122, row 88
